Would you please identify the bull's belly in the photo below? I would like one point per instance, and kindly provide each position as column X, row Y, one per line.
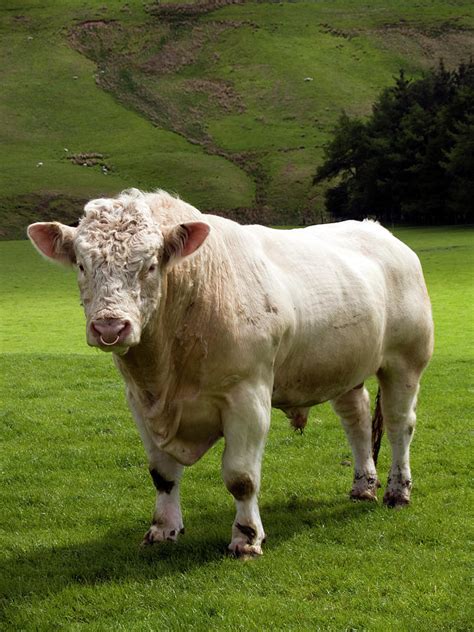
column 293, row 396
column 311, row 388
column 307, row 378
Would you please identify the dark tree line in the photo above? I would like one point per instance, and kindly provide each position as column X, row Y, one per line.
column 412, row 161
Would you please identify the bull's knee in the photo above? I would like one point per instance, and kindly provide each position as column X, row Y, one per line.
column 240, row 486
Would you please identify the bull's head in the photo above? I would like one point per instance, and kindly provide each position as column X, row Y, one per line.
column 121, row 254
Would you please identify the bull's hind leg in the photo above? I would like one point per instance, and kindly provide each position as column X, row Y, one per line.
column 353, row 409
column 399, row 388
column 245, row 425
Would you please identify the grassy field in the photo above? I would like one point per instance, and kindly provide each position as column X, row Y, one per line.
column 230, row 108
column 77, row 499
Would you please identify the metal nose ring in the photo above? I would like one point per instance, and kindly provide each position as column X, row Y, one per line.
column 109, row 344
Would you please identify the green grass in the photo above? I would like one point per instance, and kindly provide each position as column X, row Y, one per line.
column 259, row 146
column 76, row 495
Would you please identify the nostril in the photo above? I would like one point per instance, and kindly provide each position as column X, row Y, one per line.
column 95, row 329
column 110, row 331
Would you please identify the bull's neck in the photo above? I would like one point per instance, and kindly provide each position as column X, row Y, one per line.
column 140, row 364
column 157, row 364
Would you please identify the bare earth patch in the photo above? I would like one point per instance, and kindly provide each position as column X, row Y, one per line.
column 90, row 159
column 448, row 41
column 220, row 91
column 177, row 53
column 449, row 44
column 183, row 48
column 172, row 11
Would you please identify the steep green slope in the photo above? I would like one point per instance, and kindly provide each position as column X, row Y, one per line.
column 227, row 105
column 50, row 103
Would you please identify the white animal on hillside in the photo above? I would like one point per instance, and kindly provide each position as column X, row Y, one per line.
column 212, row 323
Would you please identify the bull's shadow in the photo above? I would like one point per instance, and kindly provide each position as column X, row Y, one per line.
column 117, row 555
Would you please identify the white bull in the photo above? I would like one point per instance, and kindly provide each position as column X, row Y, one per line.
column 212, row 323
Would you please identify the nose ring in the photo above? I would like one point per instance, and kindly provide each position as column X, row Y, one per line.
column 109, row 344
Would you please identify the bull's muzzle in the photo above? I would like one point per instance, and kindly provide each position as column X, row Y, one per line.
column 110, row 332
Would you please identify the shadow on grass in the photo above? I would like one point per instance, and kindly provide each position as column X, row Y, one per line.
column 116, row 556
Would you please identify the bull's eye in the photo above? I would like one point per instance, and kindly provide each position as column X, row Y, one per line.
column 81, row 267
column 152, row 268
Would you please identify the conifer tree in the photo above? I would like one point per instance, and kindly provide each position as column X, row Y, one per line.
column 412, row 160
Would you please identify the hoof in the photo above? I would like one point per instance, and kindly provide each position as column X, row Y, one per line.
column 247, row 540
column 367, row 495
column 159, row 533
column 365, row 487
column 245, row 551
column 395, row 500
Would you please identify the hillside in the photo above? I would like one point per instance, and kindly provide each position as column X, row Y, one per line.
column 228, row 103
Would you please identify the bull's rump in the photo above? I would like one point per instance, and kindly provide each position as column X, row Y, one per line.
column 351, row 292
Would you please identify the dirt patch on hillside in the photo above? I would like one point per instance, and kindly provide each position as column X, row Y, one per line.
column 21, row 19
column 183, row 47
column 448, row 41
column 427, row 47
column 331, row 30
column 188, row 10
column 87, row 24
column 219, row 91
column 96, row 39
column 176, row 54
column 90, row 159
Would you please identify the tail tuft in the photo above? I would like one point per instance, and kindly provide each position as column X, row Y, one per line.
column 377, row 428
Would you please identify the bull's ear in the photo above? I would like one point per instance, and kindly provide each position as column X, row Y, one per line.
column 54, row 241
column 184, row 239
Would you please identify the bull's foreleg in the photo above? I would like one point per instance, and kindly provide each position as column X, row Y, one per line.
column 166, row 474
column 353, row 409
column 245, row 425
column 167, row 521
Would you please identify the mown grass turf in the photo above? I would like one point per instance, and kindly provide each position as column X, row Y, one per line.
column 76, row 495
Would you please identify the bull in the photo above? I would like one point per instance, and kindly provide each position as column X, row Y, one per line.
column 212, row 323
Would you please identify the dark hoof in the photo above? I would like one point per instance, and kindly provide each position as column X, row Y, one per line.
column 148, row 540
column 245, row 551
column 367, row 495
column 158, row 533
column 395, row 501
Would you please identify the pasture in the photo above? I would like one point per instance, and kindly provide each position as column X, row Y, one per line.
column 77, row 499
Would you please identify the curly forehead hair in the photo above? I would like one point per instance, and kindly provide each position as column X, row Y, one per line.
column 127, row 212
column 116, row 225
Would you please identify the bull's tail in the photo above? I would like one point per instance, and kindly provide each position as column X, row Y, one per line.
column 377, row 428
